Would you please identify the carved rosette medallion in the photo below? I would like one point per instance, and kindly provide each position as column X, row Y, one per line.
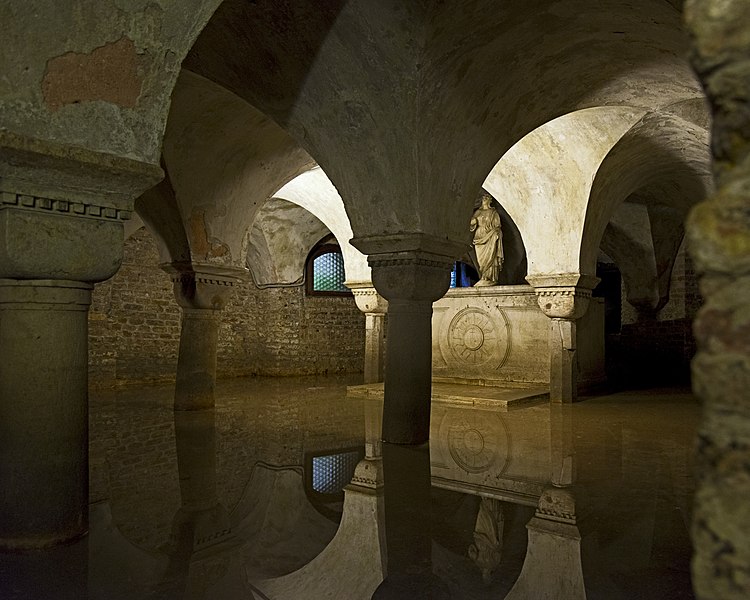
column 477, row 443
column 475, row 337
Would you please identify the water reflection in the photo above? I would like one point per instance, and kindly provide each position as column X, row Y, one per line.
column 586, row 501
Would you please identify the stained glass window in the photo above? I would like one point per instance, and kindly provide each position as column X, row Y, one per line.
column 328, row 273
column 331, row 473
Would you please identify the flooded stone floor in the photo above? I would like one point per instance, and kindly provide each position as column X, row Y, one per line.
column 246, row 501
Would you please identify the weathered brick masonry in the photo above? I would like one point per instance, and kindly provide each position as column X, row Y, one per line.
column 135, row 327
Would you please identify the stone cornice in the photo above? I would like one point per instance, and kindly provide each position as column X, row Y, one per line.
column 205, row 273
column 203, row 286
column 367, row 298
column 563, row 295
column 60, row 171
column 10, row 200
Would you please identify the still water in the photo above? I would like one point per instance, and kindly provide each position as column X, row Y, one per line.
column 284, row 492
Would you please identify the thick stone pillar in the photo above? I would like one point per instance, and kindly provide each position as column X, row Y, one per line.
column 61, row 230
column 719, row 242
column 374, row 306
column 43, row 411
column 202, row 292
column 411, row 280
column 564, row 299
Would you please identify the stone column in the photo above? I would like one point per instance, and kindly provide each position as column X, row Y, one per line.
column 374, row 306
column 202, row 292
column 564, row 299
column 411, row 281
column 719, row 242
column 61, row 230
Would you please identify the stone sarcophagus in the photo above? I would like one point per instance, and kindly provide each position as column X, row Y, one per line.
column 499, row 336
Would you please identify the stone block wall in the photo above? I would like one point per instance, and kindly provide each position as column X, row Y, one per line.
column 135, row 327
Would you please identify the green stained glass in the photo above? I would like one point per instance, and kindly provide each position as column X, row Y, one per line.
column 328, row 273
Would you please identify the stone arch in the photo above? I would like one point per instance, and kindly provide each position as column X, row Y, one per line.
column 314, row 192
column 279, row 241
column 427, row 150
column 545, row 187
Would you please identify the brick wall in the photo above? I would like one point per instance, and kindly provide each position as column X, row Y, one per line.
column 135, row 327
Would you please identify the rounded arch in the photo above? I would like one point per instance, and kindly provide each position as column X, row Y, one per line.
column 314, row 192
column 280, row 239
column 544, row 183
column 224, row 160
column 662, row 162
column 409, row 123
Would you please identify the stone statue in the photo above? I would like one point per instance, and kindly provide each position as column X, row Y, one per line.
column 488, row 242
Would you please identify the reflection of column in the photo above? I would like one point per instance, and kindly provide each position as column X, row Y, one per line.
column 201, row 520
column 408, row 532
column 374, row 306
column 719, row 242
column 202, row 291
column 552, row 567
column 564, row 299
column 411, row 281
column 54, row 245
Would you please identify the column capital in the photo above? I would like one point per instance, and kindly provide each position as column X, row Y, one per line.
column 203, row 286
column 411, row 276
column 557, row 504
column 367, row 298
column 563, row 295
column 62, row 209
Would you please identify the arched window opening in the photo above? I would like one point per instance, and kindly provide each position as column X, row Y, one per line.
column 463, row 275
column 324, row 270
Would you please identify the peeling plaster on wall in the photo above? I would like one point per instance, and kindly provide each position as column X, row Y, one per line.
column 224, row 159
column 281, row 238
column 122, row 105
column 110, row 73
column 203, row 247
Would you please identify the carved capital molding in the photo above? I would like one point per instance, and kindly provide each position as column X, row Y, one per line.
column 563, row 296
column 201, row 286
column 64, row 208
column 368, row 474
column 367, row 298
column 411, row 276
column 557, row 504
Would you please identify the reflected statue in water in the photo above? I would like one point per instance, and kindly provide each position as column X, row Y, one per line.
column 487, row 549
column 488, row 242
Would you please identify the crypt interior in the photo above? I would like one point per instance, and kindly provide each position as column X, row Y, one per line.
column 251, row 342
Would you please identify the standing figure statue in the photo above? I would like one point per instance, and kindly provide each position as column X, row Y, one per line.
column 488, row 242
